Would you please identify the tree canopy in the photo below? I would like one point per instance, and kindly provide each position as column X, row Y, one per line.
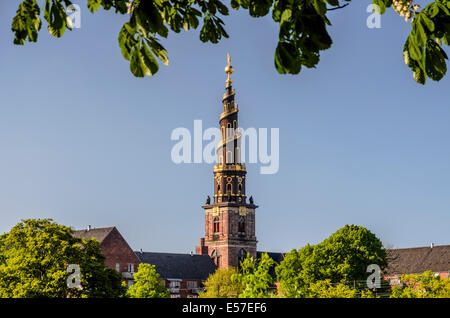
column 302, row 26
column 254, row 275
column 221, row 285
column 341, row 258
column 147, row 284
column 34, row 256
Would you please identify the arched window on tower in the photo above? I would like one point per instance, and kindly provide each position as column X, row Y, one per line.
column 229, row 188
column 241, row 225
column 229, row 156
column 216, row 257
column 216, row 224
column 240, row 188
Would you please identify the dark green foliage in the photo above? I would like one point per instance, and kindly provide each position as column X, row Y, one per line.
column 26, row 23
column 302, row 29
column 254, row 276
column 423, row 51
column 34, row 257
column 341, row 258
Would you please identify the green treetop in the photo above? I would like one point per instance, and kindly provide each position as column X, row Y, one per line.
column 341, row 258
column 221, row 285
column 34, row 256
column 147, row 284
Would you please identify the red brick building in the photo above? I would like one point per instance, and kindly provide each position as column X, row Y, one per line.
column 117, row 252
column 183, row 274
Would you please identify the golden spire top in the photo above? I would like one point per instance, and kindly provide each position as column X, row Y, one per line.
column 229, row 69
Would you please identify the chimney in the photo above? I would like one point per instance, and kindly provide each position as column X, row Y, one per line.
column 432, row 245
column 192, row 253
column 140, row 250
column 89, row 227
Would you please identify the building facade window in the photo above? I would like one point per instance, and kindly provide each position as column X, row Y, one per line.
column 216, row 225
column 229, row 157
column 191, row 284
column 131, row 268
column 241, row 225
column 174, row 284
column 216, row 257
column 238, row 155
column 117, row 267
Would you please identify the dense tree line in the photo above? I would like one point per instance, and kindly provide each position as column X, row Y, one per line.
column 35, row 256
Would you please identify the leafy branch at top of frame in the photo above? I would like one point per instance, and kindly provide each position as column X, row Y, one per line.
column 302, row 28
column 430, row 29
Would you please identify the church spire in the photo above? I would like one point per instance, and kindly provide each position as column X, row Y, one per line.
column 229, row 219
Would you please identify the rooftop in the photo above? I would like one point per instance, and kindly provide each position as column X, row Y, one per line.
column 416, row 260
column 179, row 266
column 98, row 233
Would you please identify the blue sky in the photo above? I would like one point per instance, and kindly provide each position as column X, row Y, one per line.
column 84, row 142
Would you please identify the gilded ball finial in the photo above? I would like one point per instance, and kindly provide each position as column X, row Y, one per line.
column 229, row 69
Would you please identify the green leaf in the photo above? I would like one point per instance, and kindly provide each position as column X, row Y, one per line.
column 426, row 21
column 334, row 3
column 320, row 7
column 286, row 15
column 158, row 50
column 433, row 10
column 26, row 23
column 286, row 59
column 435, row 65
column 420, row 35
column 379, row 4
column 419, row 76
column 93, row 5
column 56, row 19
column 136, row 66
column 234, row 4
column 443, row 8
column 259, row 8
column 148, row 60
column 221, row 7
column 126, row 40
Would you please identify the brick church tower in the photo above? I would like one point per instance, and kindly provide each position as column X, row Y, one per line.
column 229, row 219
